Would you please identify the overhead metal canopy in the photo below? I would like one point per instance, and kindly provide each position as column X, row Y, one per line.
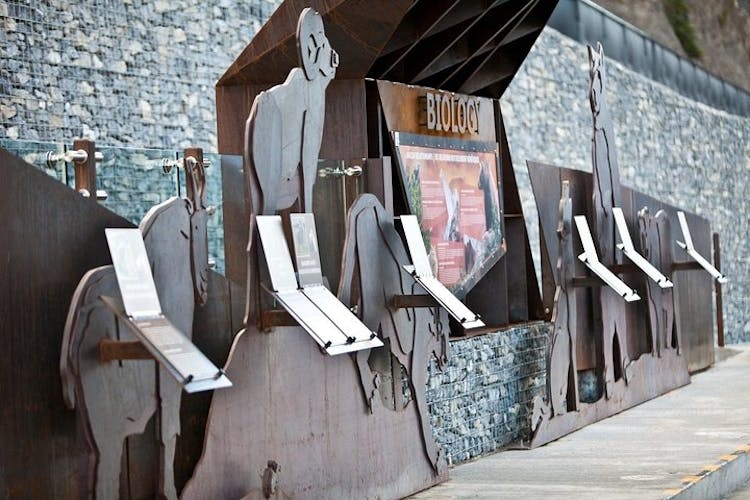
column 468, row 46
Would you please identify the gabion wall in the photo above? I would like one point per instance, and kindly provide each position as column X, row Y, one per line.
column 141, row 74
column 121, row 72
column 481, row 401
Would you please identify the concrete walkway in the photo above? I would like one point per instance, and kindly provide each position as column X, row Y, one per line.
column 691, row 443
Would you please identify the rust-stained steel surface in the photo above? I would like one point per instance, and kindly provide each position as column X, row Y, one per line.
column 117, row 398
column 467, row 46
column 464, row 46
column 52, row 237
column 283, row 134
column 294, row 405
column 656, row 242
column 562, row 377
column 637, row 350
column 285, row 127
column 291, row 405
column 610, row 316
column 375, row 252
column 654, row 373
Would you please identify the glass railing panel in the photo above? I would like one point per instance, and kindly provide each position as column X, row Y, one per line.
column 40, row 154
column 337, row 184
column 134, row 179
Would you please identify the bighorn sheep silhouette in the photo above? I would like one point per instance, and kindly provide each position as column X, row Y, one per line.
column 116, row 399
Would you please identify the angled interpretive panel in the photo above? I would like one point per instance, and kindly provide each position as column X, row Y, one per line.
column 310, row 276
column 422, row 273
column 329, row 322
column 165, row 342
column 687, row 245
column 630, row 252
column 591, row 259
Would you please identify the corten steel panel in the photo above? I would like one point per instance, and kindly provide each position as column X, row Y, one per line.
column 652, row 372
column 379, row 40
column 174, row 234
column 233, row 103
column 403, row 110
column 548, row 179
column 640, row 322
column 372, row 37
column 52, row 237
column 345, row 104
column 357, row 29
column 518, row 307
column 345, row 127
column 637, row 339
column 213, row 334
column 693, row 288
column 325, row 393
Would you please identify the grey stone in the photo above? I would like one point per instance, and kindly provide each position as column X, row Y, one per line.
column 7, row 112
column 54, row 57
column 486, row 406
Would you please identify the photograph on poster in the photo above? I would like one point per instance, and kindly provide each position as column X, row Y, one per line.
column 452, row 188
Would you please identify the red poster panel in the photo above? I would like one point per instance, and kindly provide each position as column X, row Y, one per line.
column 452, row 188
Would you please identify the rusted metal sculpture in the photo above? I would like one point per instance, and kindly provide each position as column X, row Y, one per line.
column 285, row 127
column 115, row 399
column 562, row 371
column 283, row 135
column 656, row 243
column 298, row 408
column 652, row 375
column 606, row 194
column 562, row 381
column 606, row 333
column 293, row 424
column 374, row 256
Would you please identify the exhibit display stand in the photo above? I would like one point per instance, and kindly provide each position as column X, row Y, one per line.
column 370, row 213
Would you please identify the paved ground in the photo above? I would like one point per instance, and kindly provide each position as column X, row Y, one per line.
column 741, row 494
column 651, row 451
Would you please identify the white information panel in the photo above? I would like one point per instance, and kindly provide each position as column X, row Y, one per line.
column 329, row 322
column 133, row 272
column 305, row 239
column 278, row 259
column 692, row 252
column 422, row 273
column 169, row 346
column 591, row 259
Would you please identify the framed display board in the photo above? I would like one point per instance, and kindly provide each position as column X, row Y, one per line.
column 452, row 186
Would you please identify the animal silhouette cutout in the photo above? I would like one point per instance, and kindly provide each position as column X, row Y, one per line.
column 562, row 381
column 373, row 261
column 284, row 132
column 611, row 317
column 657, row 247
column 116, row 399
